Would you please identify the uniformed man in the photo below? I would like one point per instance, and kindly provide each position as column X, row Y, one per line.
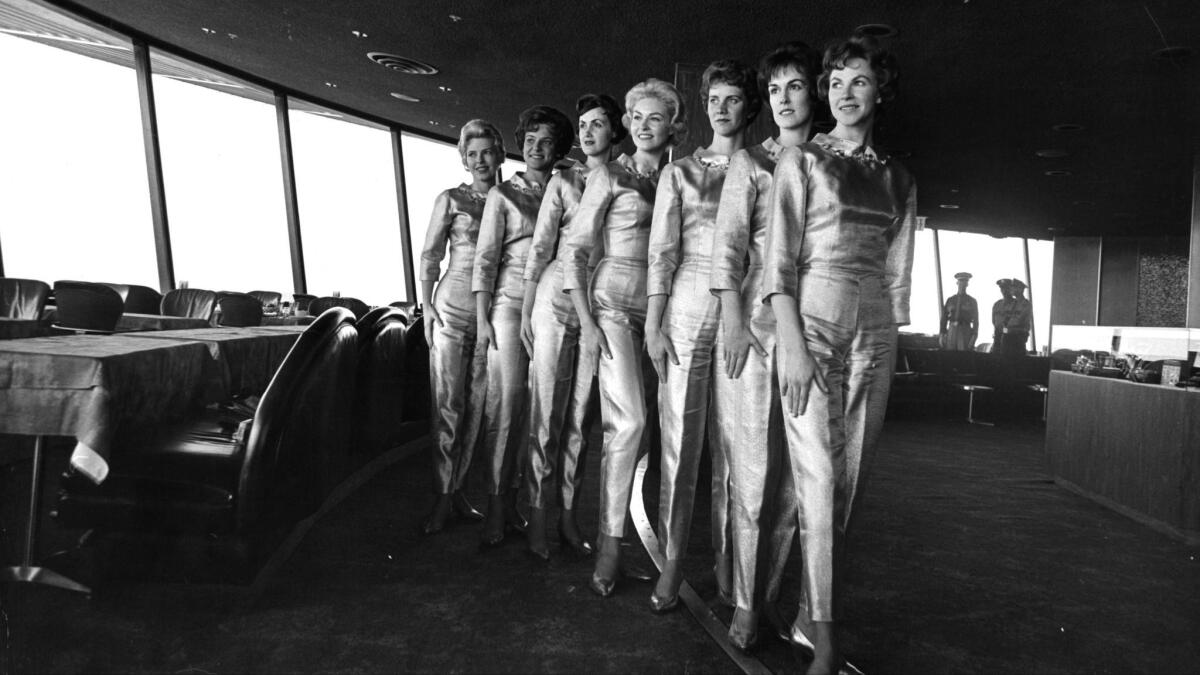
column 1018, row 322
column 1000, row 311
column 960, row 318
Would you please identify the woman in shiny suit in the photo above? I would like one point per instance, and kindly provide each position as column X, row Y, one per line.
column 456, row 371
column 505, row 235
column 746, row 404
column 838, row 275
column 617, row 205
column 681, row 321
column 559, row 401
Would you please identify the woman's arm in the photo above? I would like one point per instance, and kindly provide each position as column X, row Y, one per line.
column 666, row 227
column 487, row 260
column 585, row 231
column 436, row 235
column 731, row 241
column 898, row 272
column 545, row 238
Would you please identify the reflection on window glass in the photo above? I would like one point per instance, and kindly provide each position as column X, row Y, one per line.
column 988, row 259
column 923, row 305
column 72, row 168
column 349, row 222
column 224, row 188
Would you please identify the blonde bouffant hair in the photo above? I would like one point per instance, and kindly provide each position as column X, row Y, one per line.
column 478, row 128
column 669, row 95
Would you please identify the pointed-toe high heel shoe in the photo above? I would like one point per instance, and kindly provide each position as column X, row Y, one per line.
column 601, row 586
column 663, row 605
column 580, row 548
column 464, row 509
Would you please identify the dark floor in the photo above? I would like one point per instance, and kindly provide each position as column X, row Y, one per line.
column 966, row 558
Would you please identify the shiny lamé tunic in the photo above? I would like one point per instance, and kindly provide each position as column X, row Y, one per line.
column 505, row 235
column 840, row 241
column 456, row 371
column 681, row 236
column 560, row 402
column 747, row 411
column 616, row 207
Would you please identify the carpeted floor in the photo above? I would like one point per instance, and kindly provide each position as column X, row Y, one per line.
column 965, row 558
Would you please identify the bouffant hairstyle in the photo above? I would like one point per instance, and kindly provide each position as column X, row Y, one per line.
column 798, row 55
column 612, row 110
column 669, row 96
column 735, row 74
column 478, row 128
column 866, row 48
column 560, row 127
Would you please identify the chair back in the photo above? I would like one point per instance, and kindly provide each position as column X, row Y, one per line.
column 416, row 362
column 382, row 387
column 196, row 303
column 358, row 307
column 22, row 298
column 239, row 309
column 302, row 301
column 408, row 308
column 86, row 306
column 298, row 443
column 142, row 300
column 121, row 289
column 267, row 298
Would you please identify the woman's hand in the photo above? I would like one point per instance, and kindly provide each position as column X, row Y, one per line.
column 527, row 333
column 798, row 372
column 593, row 344
column 739, row 340
column 660, row 348
column 433, row 321
column 486, row 337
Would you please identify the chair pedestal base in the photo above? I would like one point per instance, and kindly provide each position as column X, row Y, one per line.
column 42, row 576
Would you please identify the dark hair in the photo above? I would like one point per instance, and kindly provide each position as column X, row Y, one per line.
column 863, row 47
column 560, row 127
column 797, row 54
column 735, row 74
column 612, row 110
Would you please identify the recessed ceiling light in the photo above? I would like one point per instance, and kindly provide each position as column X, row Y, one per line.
column 405, row 97
column 1173, row 53
column 402, row 64
column 1052, row 153
column 431, row 122
column 455, row 18
column 876, row 30
column 208, row 31
column 331, row 85
column 1068, row 127
column 950, row 207
column 358, row 34
column 445, row 89
column 1058, row 172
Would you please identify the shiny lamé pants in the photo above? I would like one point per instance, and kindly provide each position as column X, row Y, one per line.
column 457, row 372
column 831, row 444
column 749, row 418
column 560, row 404
column 619, row 305
column 505, row 423
column 690, row 321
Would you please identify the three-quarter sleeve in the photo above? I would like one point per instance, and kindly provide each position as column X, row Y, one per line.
column 898, row 272
column 666, row 227
column 786, row 208
column 731, row 235
column 585, row 230
column 545, row 232
column 436, row 237
column 490, row 244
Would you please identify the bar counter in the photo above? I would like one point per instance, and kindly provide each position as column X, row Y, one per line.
column 1133, row 447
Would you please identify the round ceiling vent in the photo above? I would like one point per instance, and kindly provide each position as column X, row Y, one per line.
column 402, row 64
column 876, row 30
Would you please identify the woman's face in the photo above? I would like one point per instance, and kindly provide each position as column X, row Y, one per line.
column 791, row 103
column 538, row 148
column 726, row 106
column 595, row 133
column 650, row 124
column 482, row 159
column 853, row 94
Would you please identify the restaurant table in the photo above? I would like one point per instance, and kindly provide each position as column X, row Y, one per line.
column 244, row 358
column 130, row 322
column 13, row 329
column 289, row 320
column 92, row 388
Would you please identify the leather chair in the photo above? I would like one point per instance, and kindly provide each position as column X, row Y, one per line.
column 419, row 401
column 142, row 300
column 196, row 303
column 407, row 308
column 302, row 301
column 266, row 298
column 84, row 307
column 237, row 470
column 323, row 303
column 22, row 298
column 121, row 289
column 382, row 383
column 239, row 309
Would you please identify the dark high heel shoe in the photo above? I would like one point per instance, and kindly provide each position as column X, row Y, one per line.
column 601, row 586
column 542, row 554
column 513, row 520
column 743, row 640
column 662, row 606
column 430, row 526
column 464, row 509
column 581, row 548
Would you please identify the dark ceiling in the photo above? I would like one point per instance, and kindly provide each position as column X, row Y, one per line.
column 984, row 85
